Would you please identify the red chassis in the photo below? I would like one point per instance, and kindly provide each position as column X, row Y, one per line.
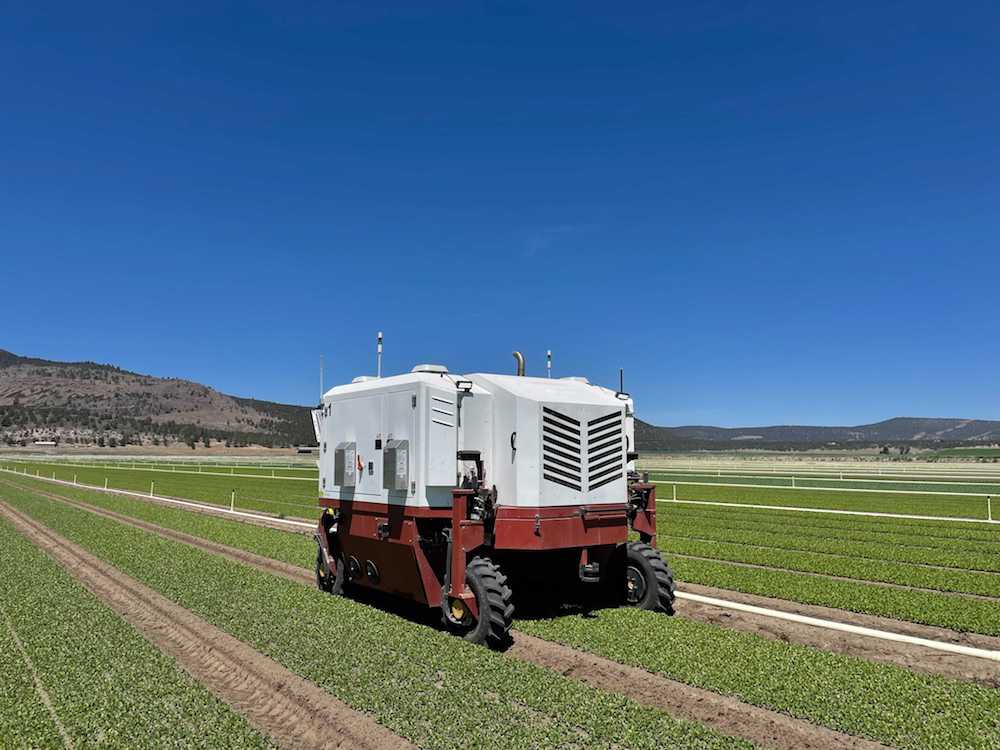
column 422, row 553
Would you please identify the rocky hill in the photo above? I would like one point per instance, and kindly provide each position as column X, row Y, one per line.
column 87, row 402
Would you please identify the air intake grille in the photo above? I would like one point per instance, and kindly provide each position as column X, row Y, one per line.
column 604, row 450
column 561, row 449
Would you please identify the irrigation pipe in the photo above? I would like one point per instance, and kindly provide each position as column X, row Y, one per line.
column 724, row 603
column 884, row 635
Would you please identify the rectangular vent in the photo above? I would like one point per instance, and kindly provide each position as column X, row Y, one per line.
column 605, row 452
column 561, row 449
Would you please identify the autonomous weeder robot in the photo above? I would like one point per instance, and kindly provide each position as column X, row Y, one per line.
column 468, row 492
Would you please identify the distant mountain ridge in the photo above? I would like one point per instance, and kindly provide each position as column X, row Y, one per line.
column 897, row 430
column 86, row 401
column 82, row 401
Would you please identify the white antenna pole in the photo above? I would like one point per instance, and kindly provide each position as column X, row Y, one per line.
column 321, row 391
column 379, row 357
column 548, row 362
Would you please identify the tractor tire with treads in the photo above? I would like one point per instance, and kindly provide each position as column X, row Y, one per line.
column 649, row 582
column 493, row 598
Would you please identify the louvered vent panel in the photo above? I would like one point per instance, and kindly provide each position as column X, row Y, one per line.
column 605, row 458
column 561, row 449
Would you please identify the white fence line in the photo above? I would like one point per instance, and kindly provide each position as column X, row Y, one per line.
column 314, row 480
column 749, row 467
column 789, row 469
column 804, row 478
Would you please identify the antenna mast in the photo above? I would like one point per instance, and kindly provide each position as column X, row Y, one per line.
column 379, row 355
column 548, row 362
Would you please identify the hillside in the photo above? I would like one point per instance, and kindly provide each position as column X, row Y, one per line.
column 908, row 430
column 85, row 401
column 88, row 403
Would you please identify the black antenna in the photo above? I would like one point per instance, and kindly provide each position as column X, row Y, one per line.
column 621, row 385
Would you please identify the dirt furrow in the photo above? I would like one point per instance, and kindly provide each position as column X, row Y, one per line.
column 917, row 658
column 724, row 713
column 292, row 711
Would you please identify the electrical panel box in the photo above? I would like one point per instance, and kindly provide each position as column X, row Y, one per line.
column 345, row 465
column 396, row 465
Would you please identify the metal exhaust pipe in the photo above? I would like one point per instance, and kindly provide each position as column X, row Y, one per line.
column 520, row 363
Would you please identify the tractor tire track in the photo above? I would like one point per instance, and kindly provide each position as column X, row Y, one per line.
column 292, row 711
column 40, row 691
column 728, row 715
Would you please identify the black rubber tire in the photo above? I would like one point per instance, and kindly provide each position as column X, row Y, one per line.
column 493, row 598
column 324, row 582
column 655, row 576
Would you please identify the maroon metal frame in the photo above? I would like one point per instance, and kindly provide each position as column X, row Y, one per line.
column 388, row 535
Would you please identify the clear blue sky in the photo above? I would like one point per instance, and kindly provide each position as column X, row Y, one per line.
column 766, row 212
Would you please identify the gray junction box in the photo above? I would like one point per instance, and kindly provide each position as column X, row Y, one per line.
column 345, row 464
column 396, row 465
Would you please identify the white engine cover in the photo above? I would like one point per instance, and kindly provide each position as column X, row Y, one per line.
column 568, row 445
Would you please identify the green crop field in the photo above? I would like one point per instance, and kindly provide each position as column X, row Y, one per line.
column 329, row 640
column 940, row 573
column 973, row 453
column 881, row 702
column 57, row 638
column 279, row 496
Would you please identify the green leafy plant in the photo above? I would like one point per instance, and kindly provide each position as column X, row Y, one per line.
column 107, row 685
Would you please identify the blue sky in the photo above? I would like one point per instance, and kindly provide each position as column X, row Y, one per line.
column 767, row 213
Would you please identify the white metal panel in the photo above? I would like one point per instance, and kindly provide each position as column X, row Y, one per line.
column 442, row 438
column 476, row 429
column 399, row 423
column 354, row 420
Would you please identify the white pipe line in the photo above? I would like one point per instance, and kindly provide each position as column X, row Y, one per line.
column 775, row 613
column 825, row 489
column 837, row 512
column 885, row 635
